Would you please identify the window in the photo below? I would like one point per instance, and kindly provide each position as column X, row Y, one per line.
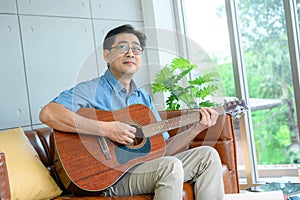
column 270, row 85
column 272, row 133
column 298, row 11
column 207, row 29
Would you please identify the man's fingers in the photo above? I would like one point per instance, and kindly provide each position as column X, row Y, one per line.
column 128, row 140
column 205, row 116
column 127, row 129
column 209, row 117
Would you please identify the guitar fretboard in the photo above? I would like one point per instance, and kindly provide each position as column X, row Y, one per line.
column 166, row 125
column 176, row 122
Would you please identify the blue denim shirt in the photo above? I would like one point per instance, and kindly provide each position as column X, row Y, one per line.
column 105, row 93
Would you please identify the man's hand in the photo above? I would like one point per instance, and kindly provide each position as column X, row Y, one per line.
column 118, row 132
column 208, row 118
column 181, row 142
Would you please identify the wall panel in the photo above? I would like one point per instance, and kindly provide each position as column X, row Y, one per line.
column 13, row 102
column 8, row 6
column 127, row 10
column 55, row 51
column 66, row 8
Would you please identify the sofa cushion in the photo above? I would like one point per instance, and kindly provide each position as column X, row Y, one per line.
column 29, row 179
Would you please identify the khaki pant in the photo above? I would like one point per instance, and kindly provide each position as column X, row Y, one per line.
column 165, row 176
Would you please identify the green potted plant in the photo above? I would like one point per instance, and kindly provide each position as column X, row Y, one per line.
column 170, row 78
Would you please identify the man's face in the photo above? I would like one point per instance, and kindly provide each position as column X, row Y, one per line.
column 121, row 61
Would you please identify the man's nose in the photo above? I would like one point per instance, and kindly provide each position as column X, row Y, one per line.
column 129, row 53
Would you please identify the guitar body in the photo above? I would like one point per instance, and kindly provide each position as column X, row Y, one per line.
column 83, row 158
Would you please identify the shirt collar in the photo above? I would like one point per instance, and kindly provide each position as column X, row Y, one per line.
column 116, row 85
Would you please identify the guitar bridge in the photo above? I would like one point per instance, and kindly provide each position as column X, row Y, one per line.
column 104, row 148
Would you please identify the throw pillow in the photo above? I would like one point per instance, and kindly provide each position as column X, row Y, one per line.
column 28, row 177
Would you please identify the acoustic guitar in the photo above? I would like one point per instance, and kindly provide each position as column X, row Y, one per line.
column 94, row 163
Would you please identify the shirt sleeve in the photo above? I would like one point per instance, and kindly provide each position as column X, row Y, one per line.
column 76, row 97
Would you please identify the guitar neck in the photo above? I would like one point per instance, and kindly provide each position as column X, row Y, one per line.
column 176, row 122
column 169, row 124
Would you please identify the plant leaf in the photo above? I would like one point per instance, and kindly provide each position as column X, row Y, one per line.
column 179, row 63
column 205, row 91
column 172, row 102
column 204, row 79
column 183, row 73
column 159, row 88
column 159, row 82
column 164, row 74
column 207, row 104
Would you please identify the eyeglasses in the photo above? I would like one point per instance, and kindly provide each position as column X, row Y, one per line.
column 123, row 49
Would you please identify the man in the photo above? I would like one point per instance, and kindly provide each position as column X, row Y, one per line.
column 122, row 51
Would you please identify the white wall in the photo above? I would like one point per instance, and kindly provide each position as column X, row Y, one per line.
column 48, row 46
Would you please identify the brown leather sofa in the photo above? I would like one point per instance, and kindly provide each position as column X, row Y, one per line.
column 223, row 140
column 4, row 183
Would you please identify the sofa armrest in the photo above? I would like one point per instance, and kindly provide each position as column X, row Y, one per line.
column 4, row 183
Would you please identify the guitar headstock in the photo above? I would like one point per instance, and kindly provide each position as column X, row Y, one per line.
column 235, row 108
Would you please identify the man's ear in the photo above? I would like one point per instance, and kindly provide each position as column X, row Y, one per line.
column 106, row 55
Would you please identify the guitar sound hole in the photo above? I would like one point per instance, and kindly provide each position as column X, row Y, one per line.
column 137, row 142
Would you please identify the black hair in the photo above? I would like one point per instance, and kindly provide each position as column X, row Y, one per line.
column 126, row 28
